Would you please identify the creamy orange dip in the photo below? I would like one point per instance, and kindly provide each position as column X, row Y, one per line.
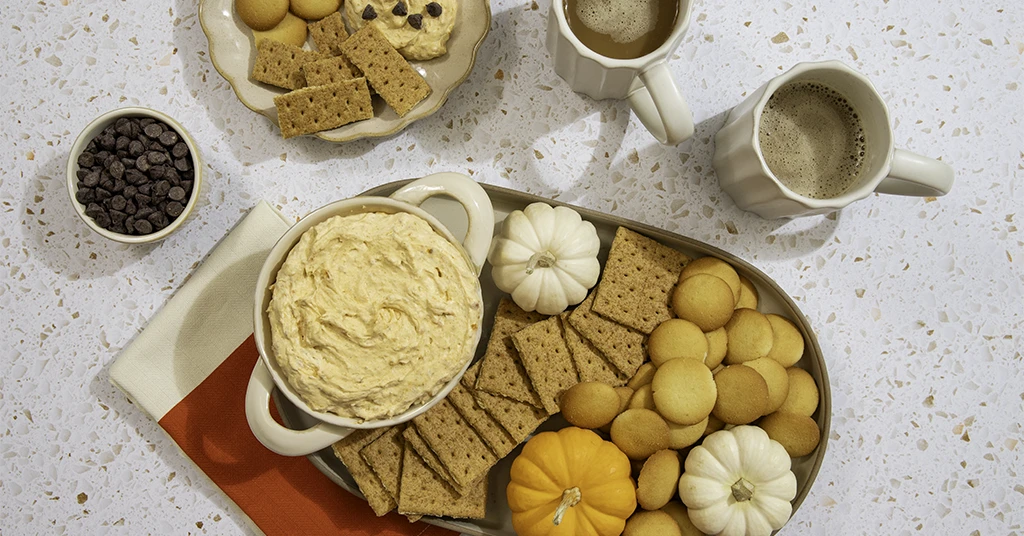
column 372, row 314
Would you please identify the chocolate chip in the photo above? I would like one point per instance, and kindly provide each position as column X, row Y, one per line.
column 92, row 179
column 158, row 219
column 118, row 202
column 131, row 207
column 156, row 158
column 134, row 176
column 161, row 188
column 399, row 10
column 146, row 121
column 123, row 126
column 116, row 169
column 129, row 192
column 179, row 150
column 369, row 13
column 109, row 160
column 129, row 163
column 183, row 164
column 143, row 199
column 129, row 222
column 177, row 193
column 85, row 195
column 117, row 217
column 122, row 143
column 434, row 9
column 143, row 226
column 168, row 138
column 101, row 156
column 102, row 219
column 102, row 194
column 107, row 142
column 187, row 185
column 416, row 21
column 119, row 185
column 144, row 212
column 174, row 209
column 86, row 159
column 135, row 148
column 146, row 188
column 153, row 130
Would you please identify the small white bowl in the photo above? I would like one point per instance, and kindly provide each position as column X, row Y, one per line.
column 96, row 127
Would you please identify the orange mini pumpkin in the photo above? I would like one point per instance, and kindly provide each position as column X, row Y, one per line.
column 570, row 482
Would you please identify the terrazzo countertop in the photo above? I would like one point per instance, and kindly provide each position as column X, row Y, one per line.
column 917, row 303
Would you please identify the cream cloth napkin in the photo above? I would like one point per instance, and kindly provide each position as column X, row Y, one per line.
column 208, row 317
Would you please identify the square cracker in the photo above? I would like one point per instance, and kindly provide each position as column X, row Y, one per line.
column 318, row 108
column 426, row 493
column 637, row 282
column 546, row 358
column 457, row 445
column 329, row 33
column 501, row 370
column 591, row 365
column 328, row 71
column 414, row 441
column 384, row 457
column 490, row 430
column 280, row 64
column 623, row 346
column 517, row 418
column 347, row 450
column 387, row 71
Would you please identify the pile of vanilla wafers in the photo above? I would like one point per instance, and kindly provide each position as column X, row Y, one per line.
column 438, row 463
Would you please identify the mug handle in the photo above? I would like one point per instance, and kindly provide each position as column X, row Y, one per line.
column 916, row 175
column 277, row 438
column 470, row 195
column 660, row 105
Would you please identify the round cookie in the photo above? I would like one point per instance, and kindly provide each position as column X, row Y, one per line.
column 643, row 398
column 681, row 436
column 776, row 378
column 787, row 342
column 750, row 336
column 314, row 9
column 716, row 267
column 705, row 300
column 749, row 296
column 639, row 433
column 677, row 510
column 651, row 523
column 291, row 31
column 643, row 376
column 261, row 15
column 797, row 433
column 658, row 480
column 676, row 338
column 803, row 393
column 718, row 343
column 742, row 395
column 684, row 391
column 589, row 404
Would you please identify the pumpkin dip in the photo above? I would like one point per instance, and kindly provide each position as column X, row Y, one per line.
column 372, row 314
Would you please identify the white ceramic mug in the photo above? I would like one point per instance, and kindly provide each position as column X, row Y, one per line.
column 645, row 81
column 745, row 176
column 266, row 375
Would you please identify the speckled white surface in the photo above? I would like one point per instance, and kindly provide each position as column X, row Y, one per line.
column 917, row 303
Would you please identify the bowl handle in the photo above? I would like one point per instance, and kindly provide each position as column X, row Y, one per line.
column 472, row 197
column 284, row 441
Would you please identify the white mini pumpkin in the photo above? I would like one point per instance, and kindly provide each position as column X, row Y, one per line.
column 546, row 258
column 738, row 482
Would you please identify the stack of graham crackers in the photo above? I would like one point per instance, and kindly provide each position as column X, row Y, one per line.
column 438, row 463
column 331, row 87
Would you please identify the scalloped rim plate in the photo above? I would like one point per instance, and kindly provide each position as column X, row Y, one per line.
column 232, row 51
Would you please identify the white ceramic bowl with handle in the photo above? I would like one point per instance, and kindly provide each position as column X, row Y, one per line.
column 267, row 376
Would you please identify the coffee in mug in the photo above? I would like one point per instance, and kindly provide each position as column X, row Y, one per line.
column 622, row 29
column 812, row 140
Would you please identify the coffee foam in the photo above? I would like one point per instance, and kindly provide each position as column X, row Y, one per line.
column 624, row 21
column 812, row 140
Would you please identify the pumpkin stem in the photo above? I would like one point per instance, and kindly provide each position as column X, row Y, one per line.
column 543, row 259
column 742, row 490
column 570, row 497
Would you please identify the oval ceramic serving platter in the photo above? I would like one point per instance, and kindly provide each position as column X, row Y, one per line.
column 233, row 51
column 772, row 300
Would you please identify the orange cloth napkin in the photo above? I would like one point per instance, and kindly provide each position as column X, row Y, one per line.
column 189, row 369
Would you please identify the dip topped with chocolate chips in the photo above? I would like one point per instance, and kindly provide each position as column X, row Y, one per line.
column 418, row 29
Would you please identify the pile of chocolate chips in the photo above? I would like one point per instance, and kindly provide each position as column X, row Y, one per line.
column 135, row 177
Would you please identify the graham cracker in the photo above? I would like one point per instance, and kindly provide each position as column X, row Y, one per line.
column 387, row 71
column 501, row 370
column 637, row 282
column 329, row 33
column 457, row 445
column 623, row 346
column 347, row 450
column 318, row 108
column 426, row 493
column 384, row 457
column 546, row 358
column 415, row 441
column 591, row 365
column 490, row 430
column 327, row 71
column 280, row 64
column 517, row 418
